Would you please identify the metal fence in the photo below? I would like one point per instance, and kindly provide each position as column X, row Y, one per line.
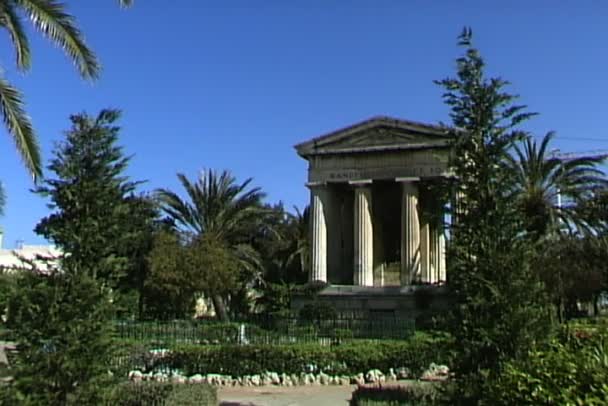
column 265, row 329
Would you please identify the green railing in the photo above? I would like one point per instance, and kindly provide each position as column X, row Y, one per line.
column 265, row 329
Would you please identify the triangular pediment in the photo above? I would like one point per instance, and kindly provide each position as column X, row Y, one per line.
column 376, row 134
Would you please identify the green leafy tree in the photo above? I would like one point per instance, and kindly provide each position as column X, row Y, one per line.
column 499, row 310
column 94, row 204
column 51, row 19
column 573, row 268
column 220, row 209
column 61, row 321
column 283, row 245
column 548, row 189
column 169, row 290
column 181, row 270
column 285, row 255
column 213, row 266
column 594, row 211
column 137, row 238
column 299, row 239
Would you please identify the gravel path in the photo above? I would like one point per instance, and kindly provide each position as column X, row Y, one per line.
column 286, row 396
column 292, row 396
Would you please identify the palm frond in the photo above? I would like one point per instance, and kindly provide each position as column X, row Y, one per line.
column 20, row 127
column 50, row 18
column 216, row 205
column 12, row 23
column 540, row 179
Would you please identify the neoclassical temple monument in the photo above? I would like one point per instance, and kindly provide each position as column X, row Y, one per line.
column 376, row 216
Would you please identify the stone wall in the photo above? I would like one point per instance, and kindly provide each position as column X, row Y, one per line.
column 410, row 302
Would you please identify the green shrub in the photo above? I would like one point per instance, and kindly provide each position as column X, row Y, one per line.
column 61, row 322
column 415, row 394
column 342, row 334
column 303, row 332
column 317, row 311
column 219, row 332
column 348, row 358
column 572, row 373
column 229, row 333
column 192, row 395
column 162, row 394
column 139, row 394
column 129, row 355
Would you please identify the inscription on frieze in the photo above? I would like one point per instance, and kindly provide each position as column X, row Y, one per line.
column 344, row 175
column 378, row 166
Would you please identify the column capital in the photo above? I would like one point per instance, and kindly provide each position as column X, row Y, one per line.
column 312, row 185
column 360, row 182
column 406, row 179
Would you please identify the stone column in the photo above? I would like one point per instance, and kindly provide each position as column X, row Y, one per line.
column 435, row 252
column 425, row 253
column 441, row 273
column 410, row 231
column 318, row 271
column 363, row 274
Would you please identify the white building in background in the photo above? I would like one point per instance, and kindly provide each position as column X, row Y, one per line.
column 23, row 256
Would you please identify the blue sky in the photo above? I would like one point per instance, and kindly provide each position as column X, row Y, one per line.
column 235, row 84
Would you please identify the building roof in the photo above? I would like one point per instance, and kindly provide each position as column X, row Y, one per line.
column 376, row 134
column 19, row 258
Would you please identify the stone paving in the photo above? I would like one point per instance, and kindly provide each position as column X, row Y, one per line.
column 286, row 396
column 313, row 395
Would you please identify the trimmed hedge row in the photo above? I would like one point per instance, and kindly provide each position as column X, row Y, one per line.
column 416, row 394
column 348, row 358
column 162, row 394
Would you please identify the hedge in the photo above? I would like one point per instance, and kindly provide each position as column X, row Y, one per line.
column 354, row 357
column 415, row 394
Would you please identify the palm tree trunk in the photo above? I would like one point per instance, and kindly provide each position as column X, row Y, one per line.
column 220, row 308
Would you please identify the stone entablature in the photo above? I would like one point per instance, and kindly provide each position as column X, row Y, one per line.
column 368, row 186
column 378, row 166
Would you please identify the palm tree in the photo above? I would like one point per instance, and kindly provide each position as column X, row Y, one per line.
column 299, row 238
column 50, row 18
column 219, row 208
column 547, row 188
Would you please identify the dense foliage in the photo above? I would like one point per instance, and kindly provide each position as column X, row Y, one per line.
column 61, row 318
column 547, row 190
column 347, row 358
column 180, row 271
column 221, row 210
column 418, row 394
column 162, row 393
column 574, row 272
column 96, row 218
column 570, row 371
column 500, row 311
column 61, row 325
